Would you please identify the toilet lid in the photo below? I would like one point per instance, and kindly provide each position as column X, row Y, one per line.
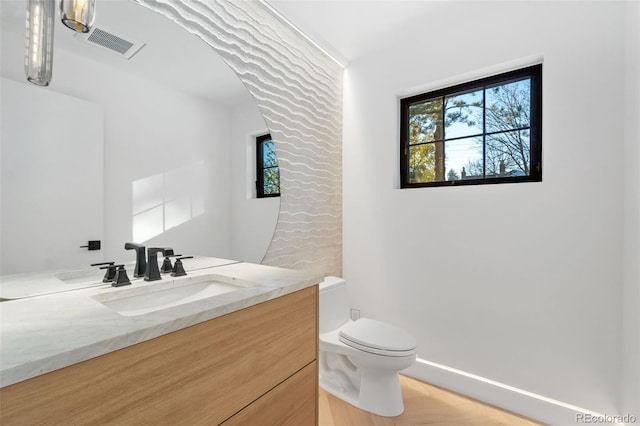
column 378, row 336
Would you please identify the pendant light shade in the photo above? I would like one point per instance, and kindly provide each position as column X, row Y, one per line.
column 78, row 14
column 39, row 43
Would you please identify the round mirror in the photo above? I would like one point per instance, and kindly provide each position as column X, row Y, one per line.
column 143, row 135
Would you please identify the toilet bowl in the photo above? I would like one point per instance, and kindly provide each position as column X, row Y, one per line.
column 360, row 360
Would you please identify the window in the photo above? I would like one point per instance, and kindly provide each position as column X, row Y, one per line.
column 267, row 171
column 485, row 131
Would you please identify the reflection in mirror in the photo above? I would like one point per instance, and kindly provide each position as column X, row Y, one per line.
column 157, row 148
column 167, row 200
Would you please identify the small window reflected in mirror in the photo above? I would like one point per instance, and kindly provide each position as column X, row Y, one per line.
column 267, row 171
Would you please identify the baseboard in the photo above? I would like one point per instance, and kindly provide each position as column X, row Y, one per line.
column 518, row 401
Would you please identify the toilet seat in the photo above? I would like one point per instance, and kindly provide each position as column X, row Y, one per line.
column 377, row 337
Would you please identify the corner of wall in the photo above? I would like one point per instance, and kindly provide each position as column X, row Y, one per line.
column 525, row 403
column 631, row 155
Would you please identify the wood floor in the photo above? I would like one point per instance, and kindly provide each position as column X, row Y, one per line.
column 424, row 404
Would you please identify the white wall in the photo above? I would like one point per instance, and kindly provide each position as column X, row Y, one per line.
column 518, row 283
column 150, row 131
column 631, row 291
column 51, row 203
column 253, row 220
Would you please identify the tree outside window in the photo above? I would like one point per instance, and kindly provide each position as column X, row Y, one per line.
column 267, row 170
column 486, row 131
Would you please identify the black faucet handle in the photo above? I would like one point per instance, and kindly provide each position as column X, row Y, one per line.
column 166, row 264
column 110, row 274
column 178, row 269
column 121, row 277
column 102, row 263
column 112, row 266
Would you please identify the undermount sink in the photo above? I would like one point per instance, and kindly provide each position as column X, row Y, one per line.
column 157, row 296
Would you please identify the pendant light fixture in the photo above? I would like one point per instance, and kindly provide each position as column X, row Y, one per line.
column 39, row 41
column 78, row 14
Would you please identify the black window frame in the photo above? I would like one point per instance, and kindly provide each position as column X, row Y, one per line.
column 260, row 140
column 534, row 73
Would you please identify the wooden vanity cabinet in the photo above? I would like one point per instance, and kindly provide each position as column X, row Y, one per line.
column 254, row 366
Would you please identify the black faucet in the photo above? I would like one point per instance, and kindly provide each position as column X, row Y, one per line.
column 141, row 262
column 153, row 272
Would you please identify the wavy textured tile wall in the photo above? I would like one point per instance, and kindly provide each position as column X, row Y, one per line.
column 298, row 89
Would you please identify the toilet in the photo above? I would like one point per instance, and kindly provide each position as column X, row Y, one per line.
column 360, row 360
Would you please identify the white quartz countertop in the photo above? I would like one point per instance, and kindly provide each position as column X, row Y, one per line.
column 48, row 332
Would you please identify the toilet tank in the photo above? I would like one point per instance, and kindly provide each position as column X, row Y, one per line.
column 334, row 307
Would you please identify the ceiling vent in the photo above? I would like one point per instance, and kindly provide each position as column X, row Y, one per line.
column 106, row 39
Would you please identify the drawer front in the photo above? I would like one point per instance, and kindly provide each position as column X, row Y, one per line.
column 202, row 374
column 291, row 403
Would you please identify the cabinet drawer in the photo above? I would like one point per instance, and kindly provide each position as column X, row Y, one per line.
column 202, row 374
column 291, row 403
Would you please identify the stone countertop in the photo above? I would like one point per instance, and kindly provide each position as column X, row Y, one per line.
column 48, row 332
